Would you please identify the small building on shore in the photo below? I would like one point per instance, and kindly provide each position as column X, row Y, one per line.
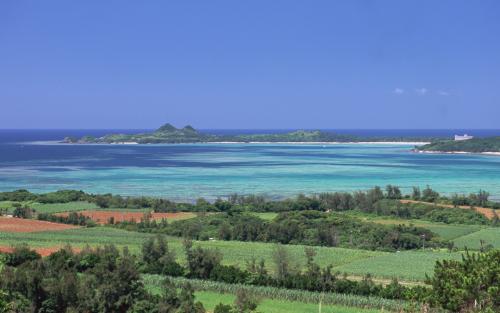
column 463, row 137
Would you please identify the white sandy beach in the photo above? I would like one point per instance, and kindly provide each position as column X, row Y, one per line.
column 458, row 152
column 323, row 142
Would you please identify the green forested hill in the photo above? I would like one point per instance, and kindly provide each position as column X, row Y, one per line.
column 475, row 145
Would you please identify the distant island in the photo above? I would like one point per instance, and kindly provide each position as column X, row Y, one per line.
column 170, row 135
column 490, row 145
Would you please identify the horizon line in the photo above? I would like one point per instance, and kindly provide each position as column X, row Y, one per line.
column 294, row 128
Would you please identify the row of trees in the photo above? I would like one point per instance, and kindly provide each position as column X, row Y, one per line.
column 431, row 213
column 480, row 199
column 336, row 201
column 73, row 218
column 61, row 196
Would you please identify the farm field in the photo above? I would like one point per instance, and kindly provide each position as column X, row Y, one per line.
column 473, row 241
column 445, row 231
column 51, row 207
column 409, row 265
column 211, row 299
column 104, row 216
column 62, row 207
column 19, row 225
column 286, row 300
column 450, row 231
column 234, row 252
column 79, row 237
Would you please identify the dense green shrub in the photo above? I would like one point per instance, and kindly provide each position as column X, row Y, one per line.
column 157, row 258
column 22, row 212
column 19, row 255
column 470, row 285
column 301, row 227
column 99, row 280
column 429, row 212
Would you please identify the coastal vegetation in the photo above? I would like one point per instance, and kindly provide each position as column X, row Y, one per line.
column 474, row 145
column 373, row 200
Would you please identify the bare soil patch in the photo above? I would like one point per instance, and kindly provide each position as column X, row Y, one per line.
column 21, row 225
column 103, row 217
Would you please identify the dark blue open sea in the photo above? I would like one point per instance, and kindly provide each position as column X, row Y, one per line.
column 32, row 159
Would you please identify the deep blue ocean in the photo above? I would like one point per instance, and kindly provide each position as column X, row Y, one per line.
column 33, row 160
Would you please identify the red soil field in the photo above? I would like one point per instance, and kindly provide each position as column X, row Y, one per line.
column 21, row 225
column 43, row 251
column 102, row 217
column 485, row 211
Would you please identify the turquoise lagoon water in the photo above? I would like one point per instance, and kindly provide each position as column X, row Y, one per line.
column 186, row 172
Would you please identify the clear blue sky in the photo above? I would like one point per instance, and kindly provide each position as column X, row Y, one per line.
column 250, row 64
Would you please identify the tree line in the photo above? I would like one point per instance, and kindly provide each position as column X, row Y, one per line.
column 327, row 201
column 73, row 218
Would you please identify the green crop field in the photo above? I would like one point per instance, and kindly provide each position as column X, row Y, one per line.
column 77, row 237
column 409, row 265
column 445, row 231
column 66, row 207
column 279, row 299
column 473, row 241
column 238, row 252
column 234, row 252
column 450, row 231
column 211, row 299
column 62, row 207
